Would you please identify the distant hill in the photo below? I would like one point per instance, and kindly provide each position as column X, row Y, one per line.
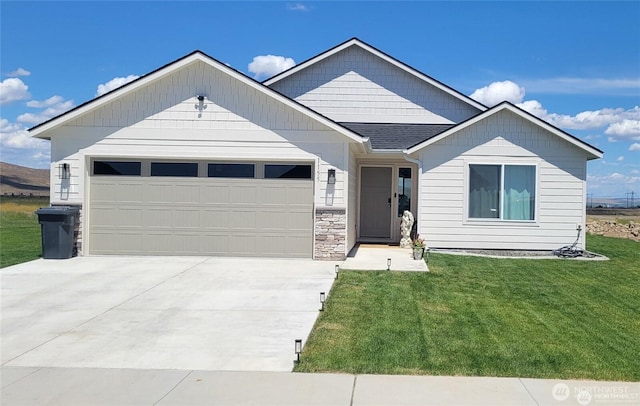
column 631, row 201
column 20, row 180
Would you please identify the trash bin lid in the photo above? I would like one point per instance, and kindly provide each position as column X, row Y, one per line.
column 58, row 210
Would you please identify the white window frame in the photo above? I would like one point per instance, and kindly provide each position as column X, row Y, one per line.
column 500, row 221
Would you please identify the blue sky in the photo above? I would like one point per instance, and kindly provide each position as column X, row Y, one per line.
column 574, row 64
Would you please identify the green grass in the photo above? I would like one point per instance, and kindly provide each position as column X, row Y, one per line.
column 19, row 230
column 487, row 317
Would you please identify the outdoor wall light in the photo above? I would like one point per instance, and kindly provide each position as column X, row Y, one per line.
column 298, row 349
column 200, row 97
column 388, row 264
column 337, row 270
column 64, row 171
column 331, row 178
column 323, row 298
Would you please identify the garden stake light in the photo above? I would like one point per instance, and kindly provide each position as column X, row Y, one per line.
column 322, row 300
column 388, row 264
column 298, row 349
column 337, row 270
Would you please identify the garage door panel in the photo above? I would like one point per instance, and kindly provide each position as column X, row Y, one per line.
column 271, row 219
column 186, row 218
column 116, row 242
column 187, row 194
column 298, row 196
column 243, row 195
column 162, row 193
column 214, row 244
column 186, row 243
column 215, row 194
column 241, row 244
column 215, row 219
column 298, row 220
column 273, row 195
column 158, row 242
column 298, row 244
column 242, row 220
column 158, row 217
column 201, row 216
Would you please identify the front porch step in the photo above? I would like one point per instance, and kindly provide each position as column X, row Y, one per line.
column 370, row 257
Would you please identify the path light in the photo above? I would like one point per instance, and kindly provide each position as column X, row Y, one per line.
column 323, row 298
column 388, row 264
column 298, row 349
column 337, row 270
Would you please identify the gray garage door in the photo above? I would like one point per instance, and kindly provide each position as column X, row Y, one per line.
column 201, row 216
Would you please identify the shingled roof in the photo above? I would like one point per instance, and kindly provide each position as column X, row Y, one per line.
column 396, row 136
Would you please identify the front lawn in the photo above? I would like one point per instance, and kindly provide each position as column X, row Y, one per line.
column 19, row 230
column 487, row 317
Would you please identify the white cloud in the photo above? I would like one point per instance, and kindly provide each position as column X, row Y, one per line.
column 14, row 135
column 114, row 84
column 625, row 129
column 56, row 105
column 298, row 7
column 45, row 103
column 534, row 107
column 635, row 172
column 621, row 124
column 620, row 158
column 13, row 89
column 634, row 147
column 264, row 66
column 596, row 119
column 19, row 72
column 498, row 92
column 614, row 184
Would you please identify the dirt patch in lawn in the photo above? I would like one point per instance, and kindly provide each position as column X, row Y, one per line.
column 618, row 223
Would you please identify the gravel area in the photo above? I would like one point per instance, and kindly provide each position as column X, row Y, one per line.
column 516, row 254
column 498, row 253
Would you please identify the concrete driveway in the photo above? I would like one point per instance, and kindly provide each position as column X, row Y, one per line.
column 191, row 313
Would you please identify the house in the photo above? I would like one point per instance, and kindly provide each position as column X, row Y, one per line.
column 196, row 158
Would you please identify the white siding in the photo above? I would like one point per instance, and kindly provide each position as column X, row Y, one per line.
column 502, row 138
column 356, row 86
column 163, row 120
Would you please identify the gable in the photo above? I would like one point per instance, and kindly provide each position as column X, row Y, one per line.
column 505, row 118
column 360, row 84
column 166, row 98
column 170, row 102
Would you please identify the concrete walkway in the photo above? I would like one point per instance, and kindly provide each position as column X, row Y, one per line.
column 90, row 386
column 367, row 257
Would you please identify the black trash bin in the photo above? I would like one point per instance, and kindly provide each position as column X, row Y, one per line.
column 57, row 227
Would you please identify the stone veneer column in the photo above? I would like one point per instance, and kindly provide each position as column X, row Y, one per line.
column 330, row 233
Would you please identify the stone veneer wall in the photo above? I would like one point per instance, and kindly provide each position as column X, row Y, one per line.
column 330, row 234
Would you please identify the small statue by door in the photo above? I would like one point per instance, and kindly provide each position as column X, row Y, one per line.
column 405, row 229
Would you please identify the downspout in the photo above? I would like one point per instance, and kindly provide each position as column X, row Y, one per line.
column 419, row 180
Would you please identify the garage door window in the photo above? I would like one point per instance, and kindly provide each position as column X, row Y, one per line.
column 231, row 171
column 184, row 169
column 117, row 168
column 273, row 171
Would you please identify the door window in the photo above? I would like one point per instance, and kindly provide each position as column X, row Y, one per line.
column 404, row 190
